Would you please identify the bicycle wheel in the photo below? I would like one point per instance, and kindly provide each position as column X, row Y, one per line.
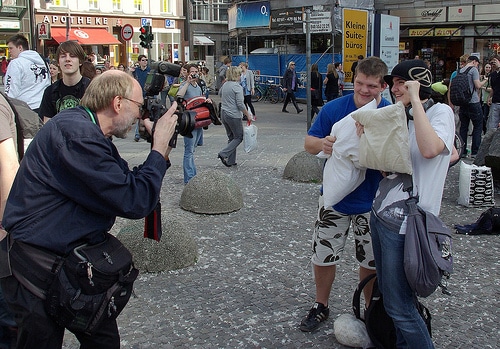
column 281, row 94
column 459, row 145
column 257, row 96
column 273, row 95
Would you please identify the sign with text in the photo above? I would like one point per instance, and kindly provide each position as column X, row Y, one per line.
column 355, row 38
column 249, row 14
column 286, row 18
column 421, row 32
column 43, row 30
column 321, row 19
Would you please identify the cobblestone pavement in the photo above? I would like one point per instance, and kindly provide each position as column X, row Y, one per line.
column 253, row 283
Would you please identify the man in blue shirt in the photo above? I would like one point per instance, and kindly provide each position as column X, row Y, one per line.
column 71, row 186
column 140, row 74
column 333, row 223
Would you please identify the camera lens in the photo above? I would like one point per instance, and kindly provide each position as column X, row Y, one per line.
column 185, row 123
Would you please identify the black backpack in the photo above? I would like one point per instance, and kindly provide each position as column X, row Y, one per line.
column 488, row 223
column 379, row 325
column 460, row 92
column 28, row 123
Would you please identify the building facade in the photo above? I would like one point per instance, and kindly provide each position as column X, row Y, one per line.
column 442, row 31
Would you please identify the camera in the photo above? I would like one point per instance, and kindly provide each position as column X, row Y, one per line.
column 195, row 76
column 155, row 81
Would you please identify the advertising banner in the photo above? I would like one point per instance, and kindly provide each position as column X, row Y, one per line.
column 248, row 15
column 355, row 38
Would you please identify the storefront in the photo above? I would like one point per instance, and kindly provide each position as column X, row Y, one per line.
column 442, row 34
column 102, row 35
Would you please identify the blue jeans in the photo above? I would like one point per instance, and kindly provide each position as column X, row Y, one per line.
column 494, row 117
column 399, row 299
column 471, row 112
column 188, row 163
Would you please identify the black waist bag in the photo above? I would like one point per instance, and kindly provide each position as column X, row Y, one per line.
column 93, row 284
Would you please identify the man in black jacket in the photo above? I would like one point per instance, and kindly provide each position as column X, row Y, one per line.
column 70, row 187
column 290, row 83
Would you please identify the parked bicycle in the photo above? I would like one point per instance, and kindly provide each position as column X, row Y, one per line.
column 267, row 92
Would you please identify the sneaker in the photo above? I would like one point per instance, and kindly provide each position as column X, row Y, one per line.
column 317, row 315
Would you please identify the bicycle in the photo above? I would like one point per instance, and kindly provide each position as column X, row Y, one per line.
column 266, row 91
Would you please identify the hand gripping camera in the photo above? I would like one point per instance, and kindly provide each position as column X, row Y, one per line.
column 190, row 114
column 155, row 109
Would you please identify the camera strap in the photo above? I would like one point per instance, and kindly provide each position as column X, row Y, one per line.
column 92, row 117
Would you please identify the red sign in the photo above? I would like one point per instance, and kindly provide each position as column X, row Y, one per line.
column 127, row 32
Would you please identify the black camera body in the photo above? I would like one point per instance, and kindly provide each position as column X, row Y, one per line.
column 155, row 81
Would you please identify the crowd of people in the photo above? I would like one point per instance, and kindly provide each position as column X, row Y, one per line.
column 72, row 172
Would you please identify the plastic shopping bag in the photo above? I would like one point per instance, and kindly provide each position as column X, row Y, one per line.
column 250, row 137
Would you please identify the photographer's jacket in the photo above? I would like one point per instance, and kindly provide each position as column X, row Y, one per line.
column 72, row 183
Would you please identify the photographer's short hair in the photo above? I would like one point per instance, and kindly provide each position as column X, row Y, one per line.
column 19, row 40
column 71, row 47
column 227, row 60
column 233, row 73
column 103, row 88
column 373, row 66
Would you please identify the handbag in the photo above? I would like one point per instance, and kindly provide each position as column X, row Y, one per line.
column 427, row 248
column 250, row 136
column 172, row 92
column 316, row 95
column 93, row 284
column 475, row 186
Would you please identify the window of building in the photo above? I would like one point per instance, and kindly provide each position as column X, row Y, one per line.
column 201, row 11
column 59, row 3
column 138, row 5
column 117, row 5
column 94, row 4
column 210, row 10
column 166, row 6
column 220, row 10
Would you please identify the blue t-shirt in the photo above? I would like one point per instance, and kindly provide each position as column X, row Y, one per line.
column 360, row 200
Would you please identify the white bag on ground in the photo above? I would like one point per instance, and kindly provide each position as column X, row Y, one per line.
column 351, row 332
column 475, row 186
column 250, row 137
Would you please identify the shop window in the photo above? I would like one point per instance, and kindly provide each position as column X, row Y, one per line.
column 117, row 5
column 94, row 4
column 138, row 5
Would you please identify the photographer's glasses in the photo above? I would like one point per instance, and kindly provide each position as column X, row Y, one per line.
column 140, row 105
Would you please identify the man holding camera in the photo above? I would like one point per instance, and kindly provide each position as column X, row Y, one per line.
column 70, row 187
column 189, row 89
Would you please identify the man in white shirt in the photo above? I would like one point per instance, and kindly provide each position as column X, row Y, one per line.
column 27, row 75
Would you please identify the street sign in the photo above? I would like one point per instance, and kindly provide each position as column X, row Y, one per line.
column 146, row 21
column 170, row 23
column 43, row 31
column 127, row 32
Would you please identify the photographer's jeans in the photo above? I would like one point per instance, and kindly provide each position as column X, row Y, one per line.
column 188, row 162
column 399, row 299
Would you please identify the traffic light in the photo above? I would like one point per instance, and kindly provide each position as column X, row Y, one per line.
column 146, row 36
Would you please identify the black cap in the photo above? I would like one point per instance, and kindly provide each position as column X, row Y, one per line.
column 413, row 69
column 473, row 58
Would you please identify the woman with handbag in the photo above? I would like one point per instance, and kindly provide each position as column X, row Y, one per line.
column 232, row 105
column 331, row 83
column 316, row 90
column 431, row 135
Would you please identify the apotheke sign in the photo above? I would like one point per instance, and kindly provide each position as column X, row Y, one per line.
column 78, row 20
